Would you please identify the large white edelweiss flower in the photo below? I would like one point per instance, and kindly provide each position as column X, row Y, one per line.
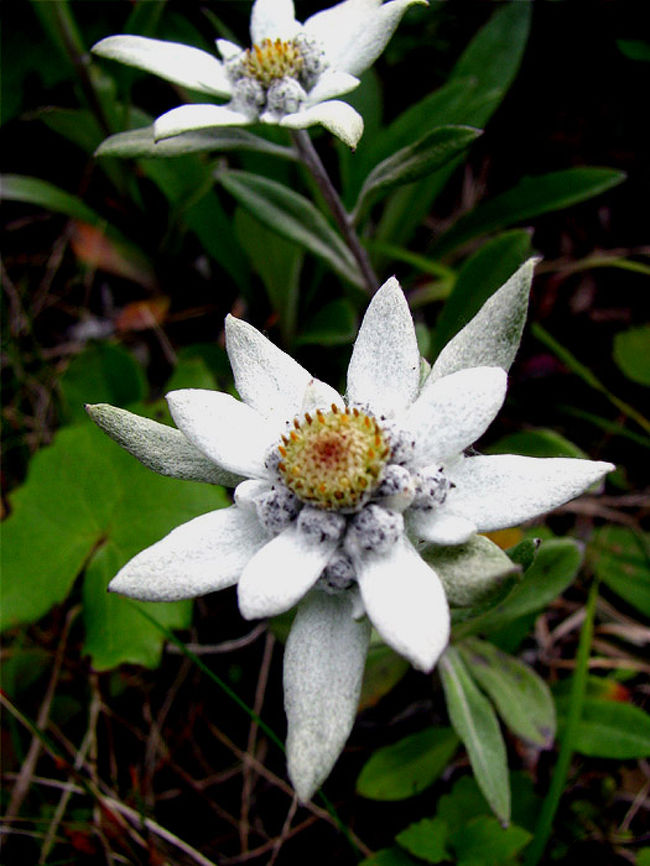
column 289, row 76
column 351, row 503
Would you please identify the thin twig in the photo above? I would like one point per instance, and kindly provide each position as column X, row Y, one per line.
column 59, row 812
column 247, row 786
column 284, row 833
column 29, row 765
column 216, row 648
column 312, row 161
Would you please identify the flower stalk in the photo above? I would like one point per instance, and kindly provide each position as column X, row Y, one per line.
column 312, row 161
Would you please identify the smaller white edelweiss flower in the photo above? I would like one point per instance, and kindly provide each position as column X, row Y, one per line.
column 289, row 76
column 348, row 499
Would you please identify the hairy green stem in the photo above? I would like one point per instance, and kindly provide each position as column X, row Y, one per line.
column 576, row 699
column 312, row 161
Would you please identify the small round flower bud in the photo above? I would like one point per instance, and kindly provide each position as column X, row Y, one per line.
column 339, row 574
column 285, row 96
column 277, row 509
column 320, row 526
column 431, row 489
column 313, row 59
column 396, row 489
column 373, row 529
column 248, row 96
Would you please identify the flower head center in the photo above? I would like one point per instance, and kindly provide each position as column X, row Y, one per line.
column 334, row 460
column 271, row 60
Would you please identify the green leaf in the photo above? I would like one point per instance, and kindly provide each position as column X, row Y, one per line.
column 465, row 802
column 102, row 373
column 634, row 49
column 522, row 698
column 187, row 184
column 476, row 724
column 530, row 198
column 84, row 496
column 33, row 190
column 414, row 162
column 292, row 216
column 484, row 842
column 473, row 573
column 621, row 559
column 632, row 353
column 140, row 142
column 426, row 840
column 643, row 857
column 384, row 669
column 482, row 77
column 278, row 263
column 407, row 767
column 536, row 443
column 333, row 325
column 552, row 571
column 609, row 729
column 115, row 632
column 480, row 276
column 389, row 857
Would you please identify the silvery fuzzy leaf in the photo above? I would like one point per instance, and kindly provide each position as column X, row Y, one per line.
column 323, row 670
column 158, row 446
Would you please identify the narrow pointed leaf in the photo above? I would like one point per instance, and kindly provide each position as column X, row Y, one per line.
column 521, row 697
column 141, row 143
column 415, row 161
column 476, row 724
column 478, row 279
column 292, row 216
column 530, row 198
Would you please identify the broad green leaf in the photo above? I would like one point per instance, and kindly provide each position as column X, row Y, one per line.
column 480, row 276
column 278, row 263
column 407, row 767
column 384, row 669
column 84, row 495
column 483, row 73
column 643, row 854
column 333, row 325
column 536, row 443
column 116, row 633
column 292, row 216
column 609, row 729
column 389, row 857
column 621, row 559
column 414, row 162
column 140, row 142
column 632, row 353
column 484, row 842
column 530, row 198
column 426, row 840
column 552, row 571
column 476, row 724
column 522, row 698
column 102, row 373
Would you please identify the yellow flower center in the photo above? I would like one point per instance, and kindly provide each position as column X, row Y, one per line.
column 273, row 59
column 334, row 460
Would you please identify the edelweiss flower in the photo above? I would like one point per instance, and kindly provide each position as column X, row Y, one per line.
column 341, row 496
column 289, row 76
